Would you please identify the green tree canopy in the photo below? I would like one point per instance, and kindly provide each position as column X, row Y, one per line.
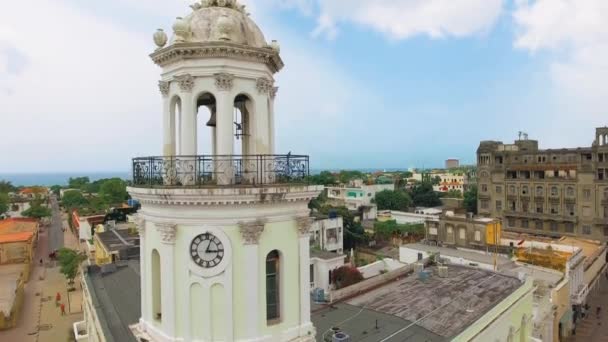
column 37, row 209
column 73, row 199
column 346, row 176
column 78, row 182
column 69, row 260
column 324, row 178
column 4, row 202
column 424, row 196
column 454, row 193
column 393, row 200
column 113, row 191
column 56, row 189
column 6, row 186
column 470, row 199
column 385, row 230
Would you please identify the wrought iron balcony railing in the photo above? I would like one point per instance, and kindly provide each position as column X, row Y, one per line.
column 214, row 170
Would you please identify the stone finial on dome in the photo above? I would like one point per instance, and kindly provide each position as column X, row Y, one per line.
column 181, row 28
column 160, row 38
column 222, row 3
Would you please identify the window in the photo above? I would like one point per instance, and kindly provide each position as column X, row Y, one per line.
column 539, row 191
column 587, row 230
column 601, row 174
column 484, row 204
column 511, row 222
column 433, row 231
column 273, row 286
column 477, row 235
column 484, row 187
column 569, row 227
column 512, row 205
column 524, row 207
column 554, row 209
column 462, row 233
column 498, row 205
column 312, row 273
column 553, row 226
column 587, row 194
column 524, row 224
column 524, row 190
column 606, row 193
column 570, row 191
column 450, row 235
column 539, row 208
column 512, row 190
column 539, row 225
column 499, row 189
column 156, row 286
column 554, row 191
column 570, row 209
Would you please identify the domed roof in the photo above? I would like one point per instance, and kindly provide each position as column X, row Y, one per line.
column 219, row 20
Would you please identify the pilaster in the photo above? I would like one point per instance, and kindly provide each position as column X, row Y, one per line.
column 303, row 224
column 224, row 130
column 251, row 233
column 141, row 229
column 167, row 232
column 188, row 115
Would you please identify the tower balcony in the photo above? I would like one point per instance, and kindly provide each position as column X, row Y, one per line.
column 220, row 171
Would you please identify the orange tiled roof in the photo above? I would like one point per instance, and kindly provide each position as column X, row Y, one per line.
column 33, row 190
column 16, row 237
column 17, row 225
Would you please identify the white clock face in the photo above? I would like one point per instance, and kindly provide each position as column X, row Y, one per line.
column 207, row 250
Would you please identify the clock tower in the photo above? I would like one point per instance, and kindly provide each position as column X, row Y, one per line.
column 224, row 235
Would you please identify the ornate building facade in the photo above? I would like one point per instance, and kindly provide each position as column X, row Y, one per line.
column 551, row 192
column 224, row 237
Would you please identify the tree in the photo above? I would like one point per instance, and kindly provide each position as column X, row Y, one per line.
column 454, row 193
column 424, row 196
column 69, row 260
column 6, row 187
column 470, row 199
column 37, row 209
column 324, row 178
column 393, row 200
column 317, row 203
column 345, row 276
column 78, row 182
column 113, row 191
column 73, row 199
column 384, row 230
column 4, row 202
column 436, row 180
column 346, row 176
column 56, row 189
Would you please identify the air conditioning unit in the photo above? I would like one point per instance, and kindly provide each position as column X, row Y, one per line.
column 418, row 267
column 443, row 271
column 340, row 337
column 318, row 295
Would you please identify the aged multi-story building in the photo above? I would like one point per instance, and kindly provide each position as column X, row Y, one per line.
column 551, row 192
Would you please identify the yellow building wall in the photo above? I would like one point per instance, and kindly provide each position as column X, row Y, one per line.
column 102, row 256
column 493, row 233
column 561, row 299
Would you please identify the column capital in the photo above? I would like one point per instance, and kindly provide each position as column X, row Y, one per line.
column 251, row 231
column 273, row 92
column 164, row 86
column 303, row 224
column 223, row 81
column 186, row 82
column 264, row 85
column 167, row 232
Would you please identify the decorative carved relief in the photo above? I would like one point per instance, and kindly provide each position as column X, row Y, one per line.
column 223, row 81
column 140, row 223
column 273, row 92
column 251, row 231
column 264, row 85
column 303, row 223
column 186, row 82
column 167, row 232
column 163, row 86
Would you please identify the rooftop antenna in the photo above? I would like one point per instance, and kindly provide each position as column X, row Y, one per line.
column 519, row 135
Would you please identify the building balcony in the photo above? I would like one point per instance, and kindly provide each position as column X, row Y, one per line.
column 579, row 297
column 220, row 170
column 539, row 198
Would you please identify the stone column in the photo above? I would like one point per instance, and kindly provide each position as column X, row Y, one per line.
column 303, row 225
column 143, row 272
column 168, row 120
column 167, row 233
column 251, row 232
column 273, row 94
column 262, row 112
column 188, row 115
column 224, row 130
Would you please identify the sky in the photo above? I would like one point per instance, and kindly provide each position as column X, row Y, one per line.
column 367, row 83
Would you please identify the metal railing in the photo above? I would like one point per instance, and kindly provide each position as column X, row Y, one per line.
column 210, row 170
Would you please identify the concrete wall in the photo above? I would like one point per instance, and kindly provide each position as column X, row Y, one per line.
column 321, row 268
column 380, row 267
column 10, row 320
column 368, row 284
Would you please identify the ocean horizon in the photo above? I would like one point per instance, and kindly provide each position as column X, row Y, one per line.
column 61, row 178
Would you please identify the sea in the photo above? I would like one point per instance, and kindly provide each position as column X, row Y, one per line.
column 50, row 179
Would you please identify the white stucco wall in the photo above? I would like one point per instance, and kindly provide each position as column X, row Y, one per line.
column 321, row 269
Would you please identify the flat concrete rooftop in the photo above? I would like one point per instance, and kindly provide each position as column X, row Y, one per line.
column 441, row 307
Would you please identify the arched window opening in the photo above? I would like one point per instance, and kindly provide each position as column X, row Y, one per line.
column 206, row 123
column 273, row 289
column 242, row 124
column 157, row 311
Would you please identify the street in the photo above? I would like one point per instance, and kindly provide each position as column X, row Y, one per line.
column 592, row 329
column 55, row 231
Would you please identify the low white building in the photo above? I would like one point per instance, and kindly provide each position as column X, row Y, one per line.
column 355, row 197
column 420, row 216
column 327, row 234
column 321, row 265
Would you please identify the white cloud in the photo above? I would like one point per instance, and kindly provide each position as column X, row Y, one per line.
column 401, row 19
column 575, row 34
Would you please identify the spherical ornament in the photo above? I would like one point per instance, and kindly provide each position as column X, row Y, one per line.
column 180, row 29
column 224, row 26
column 222, row 3
column 160, row 38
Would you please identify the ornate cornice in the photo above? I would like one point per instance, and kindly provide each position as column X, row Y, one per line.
column 303, row 224
column 163, row 86
column 167, row 232
column 264, row 85
column 184, row 51
column 273, row 92
column 223, row 81
column 251, row 231
column 186, row 82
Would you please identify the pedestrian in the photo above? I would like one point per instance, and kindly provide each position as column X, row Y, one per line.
column 40, row 262
column 598, row 311
column 62, row 309
column 58, row 297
